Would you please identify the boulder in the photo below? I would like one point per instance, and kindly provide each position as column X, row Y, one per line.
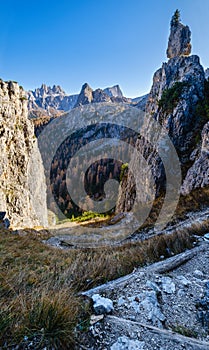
column 102, row 305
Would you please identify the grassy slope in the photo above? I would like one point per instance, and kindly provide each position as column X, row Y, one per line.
column 39, row 284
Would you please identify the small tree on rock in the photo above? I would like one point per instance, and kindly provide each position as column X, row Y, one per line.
column 176, row 18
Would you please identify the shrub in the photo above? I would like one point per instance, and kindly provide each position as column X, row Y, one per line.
column 23, row 98
column 170, row 97
column 176, row 17
column 86, row 216
column 124, row 167
column 187, row 332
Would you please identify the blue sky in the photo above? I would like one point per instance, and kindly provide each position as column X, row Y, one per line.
column 102, row 42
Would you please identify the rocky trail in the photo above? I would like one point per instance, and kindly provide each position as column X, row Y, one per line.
column 73, row 235
column 161, row 306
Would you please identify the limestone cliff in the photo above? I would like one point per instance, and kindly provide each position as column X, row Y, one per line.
column 198, row 174
column 178, row 87
column 22, row 180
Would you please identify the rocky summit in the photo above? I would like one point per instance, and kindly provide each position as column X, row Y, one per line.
column 179, row 43
column 110, row 94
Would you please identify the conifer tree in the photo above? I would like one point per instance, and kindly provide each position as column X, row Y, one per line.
column 176, row 17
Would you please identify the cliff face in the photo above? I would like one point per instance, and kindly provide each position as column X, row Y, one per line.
column 198, row 174
column 178, row 88
column 22, row 180
column 178, row 85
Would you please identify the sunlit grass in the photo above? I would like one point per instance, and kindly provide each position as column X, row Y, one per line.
column 39, row 284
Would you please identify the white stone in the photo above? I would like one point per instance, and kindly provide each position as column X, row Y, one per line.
column 102, row 305
column 168, row 286
column 125, row 343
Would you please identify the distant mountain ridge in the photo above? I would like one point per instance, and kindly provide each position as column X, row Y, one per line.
column 53, row 101
column 49, row 101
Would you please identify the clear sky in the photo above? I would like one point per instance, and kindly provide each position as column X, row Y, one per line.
column 102, row 42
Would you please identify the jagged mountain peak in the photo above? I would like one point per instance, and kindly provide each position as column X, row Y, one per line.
column 86, row 86
column 85, row 96
column 45, row 89
column 109, row 94
column 51, row 101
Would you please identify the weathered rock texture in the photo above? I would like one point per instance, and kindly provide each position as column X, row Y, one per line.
column 114, row 91
column 111, row 94
column 49, row 101
column 85, row 96
column 181, row 120
column 198, row 174
column 151, row 309
column 207, row 73
column 177, row 88
column 22, row 180
column 46, row 101
column 179, row 43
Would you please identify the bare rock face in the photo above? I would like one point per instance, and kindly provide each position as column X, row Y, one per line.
column 53, row 101
column 183, row 77
column 100, row 96
column 114, row 91
column 85, row 96
column 207, row 73
column 181, row 121
column 22, row 179
column 179, row 43
column 198, row 174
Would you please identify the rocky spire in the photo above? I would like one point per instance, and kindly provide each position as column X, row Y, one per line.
column 85, row 96
column 179, row 43
column 181, row 120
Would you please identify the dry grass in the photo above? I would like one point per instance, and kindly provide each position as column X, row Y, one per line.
column 196, row 201
column 196, row 228
column 39, row 284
